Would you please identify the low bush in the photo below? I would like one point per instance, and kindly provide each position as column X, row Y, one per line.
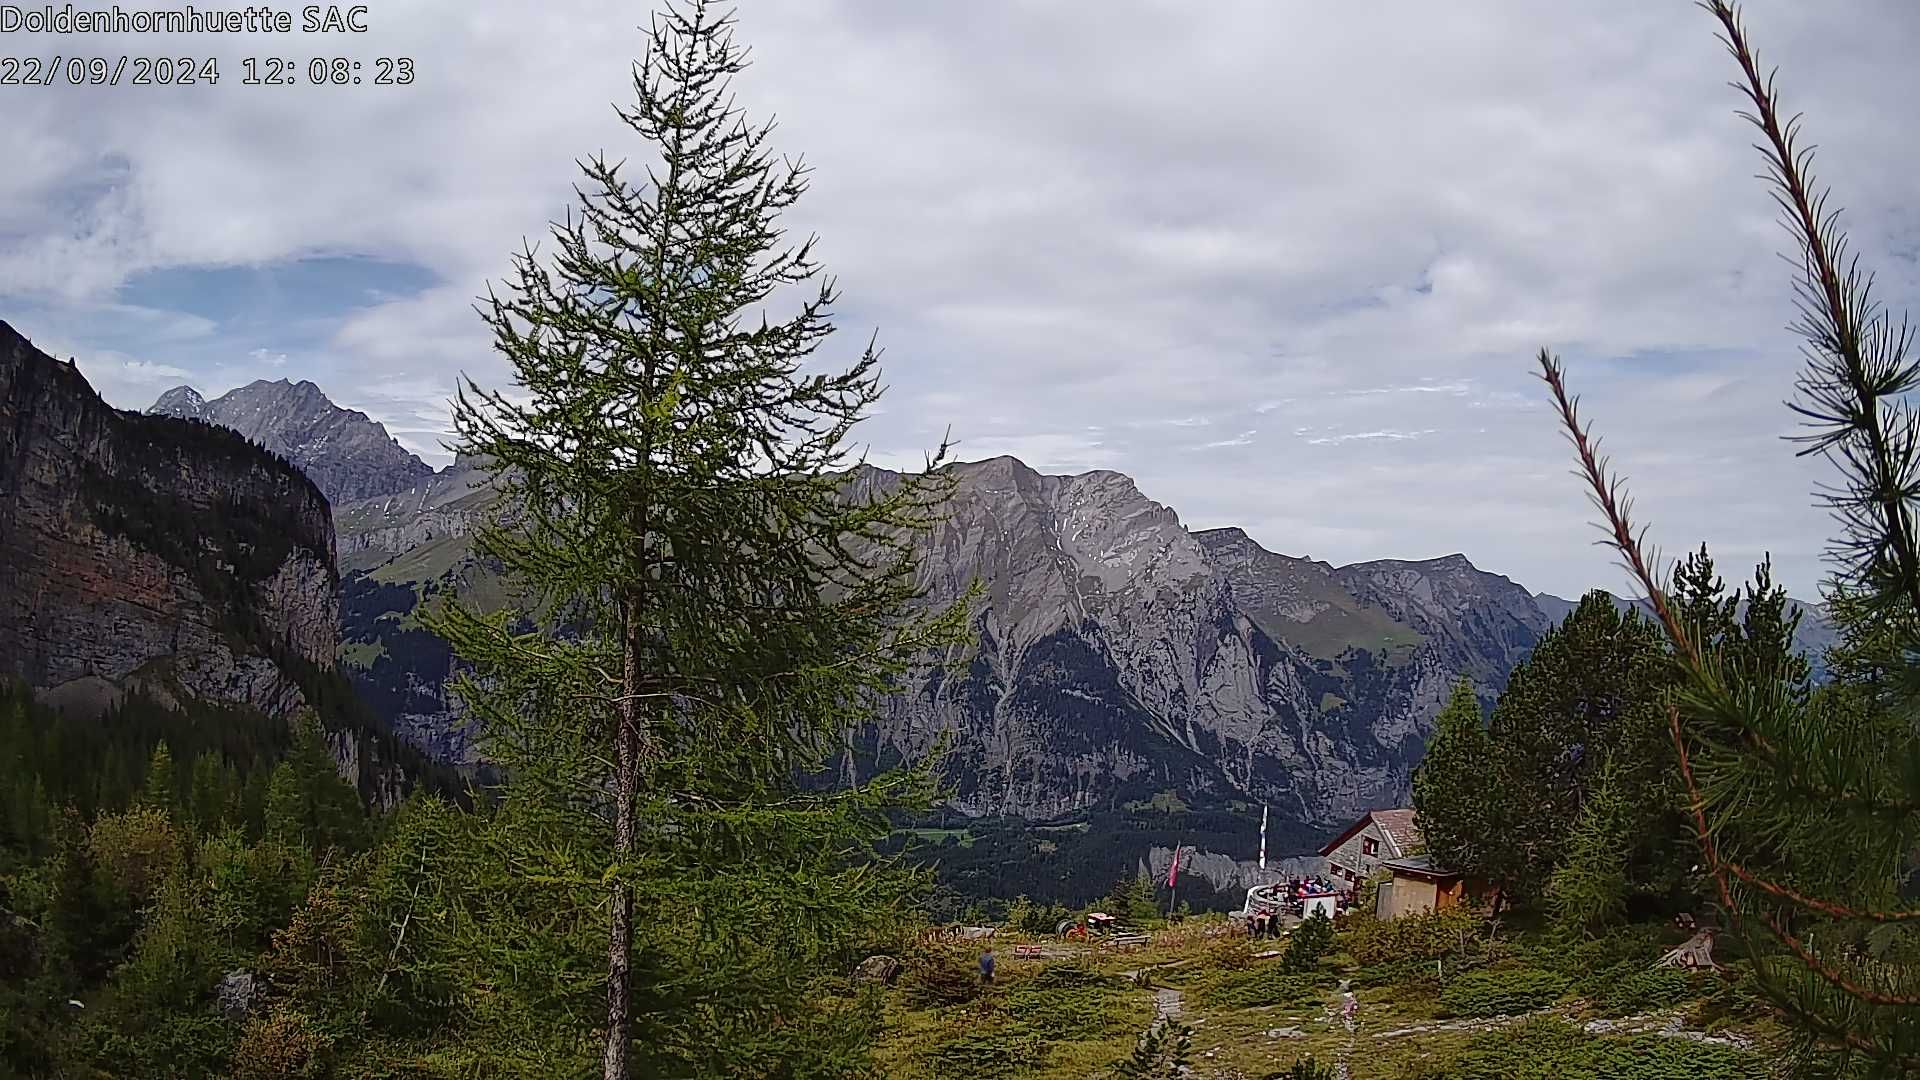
column 1502, row 992
column 1072, row 977
column 1266, row 984
column 1425, row 936
column 1066, row 1002
column 1732, row 1000
column 1305, row 1069
column 1552, row 1049
column 989, row 1054
column 1226, row 954
column 282, row 1046
column 1307, row 943
column 1585, row 958
column 1397, row 973
column 1632, row 989
column 935, row 977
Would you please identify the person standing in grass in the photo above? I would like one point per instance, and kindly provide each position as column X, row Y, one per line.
column 986, row 965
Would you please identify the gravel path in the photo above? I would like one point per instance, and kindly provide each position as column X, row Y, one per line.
column 1167, row 1006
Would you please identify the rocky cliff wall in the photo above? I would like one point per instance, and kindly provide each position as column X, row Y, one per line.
column 152, row 546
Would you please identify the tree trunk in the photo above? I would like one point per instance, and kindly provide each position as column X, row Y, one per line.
column 626, row 742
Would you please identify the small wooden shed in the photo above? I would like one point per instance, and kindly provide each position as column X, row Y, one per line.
column 1418, row 885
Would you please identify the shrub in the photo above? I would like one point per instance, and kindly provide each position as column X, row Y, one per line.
column 1727, row 1000
column 1585, row 959
column 1425, row 936
column 1397, row 973
column 1631, row 989
column 1072, row 977
column 1305, row 1069
column 1502, row 992
column 937, row 977
column 1226, row 954
column 137, row 849
column 1161, row 1054
column 283, row 1046
column 1309, row 941
column 1267, row 984
column 1030, row 918
column 1065, row 1002
column 989, row 1054
column 1551, row 1049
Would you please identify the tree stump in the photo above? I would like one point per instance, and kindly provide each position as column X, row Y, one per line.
column 1695, row 955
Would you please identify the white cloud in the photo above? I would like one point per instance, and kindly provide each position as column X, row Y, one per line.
column 1360, row 220
column 1331, row 440
column 142, row 371
column 1245, row 438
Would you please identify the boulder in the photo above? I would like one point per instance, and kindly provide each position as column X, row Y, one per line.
column 877, row 969
column 237, row 989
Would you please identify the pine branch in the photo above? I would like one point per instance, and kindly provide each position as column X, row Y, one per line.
column 1857, row 360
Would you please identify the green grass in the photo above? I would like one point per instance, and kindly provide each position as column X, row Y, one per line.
column 361, row 654
column 1342, row 623
column 1055, row 1019
column 427, row 562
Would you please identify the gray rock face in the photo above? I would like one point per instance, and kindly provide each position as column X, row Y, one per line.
column 438, row 510
column 169, row 555
column 346, row 453
column 1226, row 873
column 1119, row 655
column 152, row 549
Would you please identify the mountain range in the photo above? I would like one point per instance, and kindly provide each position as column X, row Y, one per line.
column 1120, row 654
column 1123, row 660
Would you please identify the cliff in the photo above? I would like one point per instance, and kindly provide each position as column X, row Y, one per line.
column 153, row 546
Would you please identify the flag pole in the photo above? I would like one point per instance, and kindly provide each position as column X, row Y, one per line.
column 1173, row 877
column 1263, row 840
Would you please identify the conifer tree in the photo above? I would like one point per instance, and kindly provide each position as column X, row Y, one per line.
column 208, row 793
column 161, row 789
column 286, row 818
column 713, row 593
column 1806, row 805
column 1588, row 890
column 1589, row 694
column 1453, row 793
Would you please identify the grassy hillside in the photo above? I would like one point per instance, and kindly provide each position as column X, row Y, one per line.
column 1507, row 1006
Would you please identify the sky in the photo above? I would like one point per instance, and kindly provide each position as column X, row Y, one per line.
column 1287, row 264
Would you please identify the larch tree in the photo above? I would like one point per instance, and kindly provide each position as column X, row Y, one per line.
column 1805, row 805
column 713, row 589
column 161, row 787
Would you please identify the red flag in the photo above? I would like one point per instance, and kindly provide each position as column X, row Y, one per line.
column 1173, row 871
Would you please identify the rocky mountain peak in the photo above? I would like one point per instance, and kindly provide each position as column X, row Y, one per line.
column 181, row 401
column 348, row 455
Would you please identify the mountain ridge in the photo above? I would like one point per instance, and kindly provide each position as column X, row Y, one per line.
column 1120, row 654
column 344, row 451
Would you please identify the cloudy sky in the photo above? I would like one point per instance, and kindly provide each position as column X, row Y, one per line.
column 1285, row 263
